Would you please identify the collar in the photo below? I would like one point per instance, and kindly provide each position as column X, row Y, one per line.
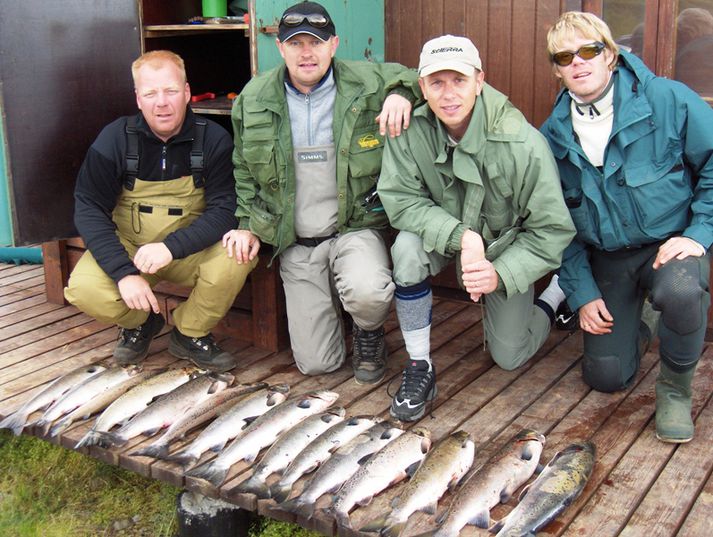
column 327, row 76
column 595, row 107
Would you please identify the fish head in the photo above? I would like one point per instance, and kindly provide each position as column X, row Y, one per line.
column 327, row 396
column 530, row 435
column 337, row 411
column 425, row 435
column 280, row 388
column 363, row 420
column 462, row 436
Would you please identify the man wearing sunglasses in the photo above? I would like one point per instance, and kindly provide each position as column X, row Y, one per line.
column 309, row 137
column 470, row 170
column 635, row 154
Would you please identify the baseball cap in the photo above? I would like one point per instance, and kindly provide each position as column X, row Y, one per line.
column 306, row 18
column 449, row 52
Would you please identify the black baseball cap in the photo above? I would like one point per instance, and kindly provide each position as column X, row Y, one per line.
column 306, row 18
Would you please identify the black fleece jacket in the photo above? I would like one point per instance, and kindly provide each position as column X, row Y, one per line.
column 100, row 183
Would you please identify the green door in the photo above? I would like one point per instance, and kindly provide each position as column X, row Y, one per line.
column 359, row 24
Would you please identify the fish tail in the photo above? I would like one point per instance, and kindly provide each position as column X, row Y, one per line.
column 298, row 507
column 157, row 451
column 280, row 491
column 89, row 439
column 184, row 458
column 107, row 439
column 60, row 426
column 394, row 530
column 495, row 528
column 44, row 425
column 15, row 422
column 342, row 518
column 254, row 485
column 210, row 472
column 377, row 524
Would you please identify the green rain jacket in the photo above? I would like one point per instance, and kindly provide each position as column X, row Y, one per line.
column 501, row 182
column 264, row 166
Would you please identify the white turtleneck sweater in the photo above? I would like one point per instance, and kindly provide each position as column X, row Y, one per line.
column 594, row 129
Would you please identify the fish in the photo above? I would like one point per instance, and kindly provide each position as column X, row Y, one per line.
column 341, row 466
column 493, row 483
column 388, row 466
column 441, row 470
column 286, row 448
column 231, row 423
column 167, row 408
column 84, row 392
column 557, row 486
column 318, row 451
column 17, row 421
column 135, row 400
column 263, row 432
column 102, row 400
column 195, row 416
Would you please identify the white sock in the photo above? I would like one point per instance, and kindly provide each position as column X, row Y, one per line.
column 418, row 343
column 553, row 296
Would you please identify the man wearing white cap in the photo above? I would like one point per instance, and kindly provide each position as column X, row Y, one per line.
column 471, row 180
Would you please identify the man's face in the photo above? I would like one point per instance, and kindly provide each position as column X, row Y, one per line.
column 451, row 95
column 162, row 97
column 585, row 78
column 307, row 58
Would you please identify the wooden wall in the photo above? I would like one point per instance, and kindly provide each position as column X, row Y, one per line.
column 510, row 35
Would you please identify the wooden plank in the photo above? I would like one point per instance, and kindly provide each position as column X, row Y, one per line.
column 22, row 299
column 699, row 520
column 56, row 268
column 40, row 312
column 14, row 289
column 28, row 332
column 28, row 272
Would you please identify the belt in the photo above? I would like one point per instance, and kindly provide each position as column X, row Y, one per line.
column 313, row 241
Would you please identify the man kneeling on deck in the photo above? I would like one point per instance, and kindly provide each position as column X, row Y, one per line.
column 154, row 196
column 471, row 177
column 635, row 154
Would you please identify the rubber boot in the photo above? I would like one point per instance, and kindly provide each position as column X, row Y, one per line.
column 673, row 405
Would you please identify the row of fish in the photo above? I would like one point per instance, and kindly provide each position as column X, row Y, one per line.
column 351, row 458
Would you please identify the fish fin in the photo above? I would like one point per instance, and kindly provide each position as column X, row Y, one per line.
column 412, row 468
column 505, row 495
column 210, row 472
column 523, row 493
column 280, row 492
column 157, row 451
column 254, row 485
column 152, row 432
column 14, row 422
column 250, row 457
column 394, row 530
column 183, row 458
column 343, row 519
column 377, row 524
column 539, row 468
column 431, row 508
column 60, row 426
column 305, row 403
column 365, row 501
column 395, row 501
column 527, row 453
column 495, row 528
column 481, row 519
column 248, row 421
column 363, row 460
column 298, row 507
column 217, row 448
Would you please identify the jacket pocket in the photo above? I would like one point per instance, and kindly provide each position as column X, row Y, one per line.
column 263, row 223
column 260, row 159
column 365, row 153
column 497, row 209
column 581, row 216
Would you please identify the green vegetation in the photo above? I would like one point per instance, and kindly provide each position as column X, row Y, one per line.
column 49, row 491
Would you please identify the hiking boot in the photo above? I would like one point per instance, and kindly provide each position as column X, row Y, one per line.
column 418, row 385
column 673, row 405
column 202, row 351
column 133, row 344
column 565, row 318
column 369, row 360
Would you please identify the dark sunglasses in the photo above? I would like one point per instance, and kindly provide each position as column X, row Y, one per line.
column 586, row 52
column 295, row 19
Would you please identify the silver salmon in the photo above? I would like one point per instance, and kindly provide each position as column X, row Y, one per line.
column 388, row 466
column 557, row 486
column 231, row 423
column 18, row 419
column 168, row 408
column 263, row 432
column 442, row 469
column 492, row 483
column 318, row 451
column 286, row 448
column 135, row 400
column 195, row 416
column 341, row 466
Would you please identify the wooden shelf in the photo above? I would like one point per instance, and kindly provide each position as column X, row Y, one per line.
column 218, row 106
column 164, row 30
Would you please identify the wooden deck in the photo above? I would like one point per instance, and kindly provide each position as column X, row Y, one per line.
column 640, row 487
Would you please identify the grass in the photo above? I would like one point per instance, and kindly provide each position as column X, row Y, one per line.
column 49, row 491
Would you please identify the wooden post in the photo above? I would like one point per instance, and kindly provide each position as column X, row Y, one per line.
column 54, row 255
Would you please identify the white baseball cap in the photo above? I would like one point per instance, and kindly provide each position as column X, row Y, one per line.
column 449, row 53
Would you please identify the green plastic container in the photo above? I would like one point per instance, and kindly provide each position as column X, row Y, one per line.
column 215, row 8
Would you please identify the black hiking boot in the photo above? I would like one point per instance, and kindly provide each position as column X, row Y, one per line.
column 566, row 319
column 133, row 344
column 418, row 385
column 369, row 360
column 202, row 351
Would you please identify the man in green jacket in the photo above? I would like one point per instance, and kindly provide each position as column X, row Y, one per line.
column 309, row 138
column 471, row 179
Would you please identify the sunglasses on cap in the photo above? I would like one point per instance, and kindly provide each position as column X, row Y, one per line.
column 586, row 52
column 316, row 20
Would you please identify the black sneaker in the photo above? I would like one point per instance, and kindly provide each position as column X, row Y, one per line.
column 133, row 344
column 565, row 318
column 202, row 351
column 369, row 360
column 418, row 385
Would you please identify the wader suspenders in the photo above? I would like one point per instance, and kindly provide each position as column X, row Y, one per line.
column 132, row 153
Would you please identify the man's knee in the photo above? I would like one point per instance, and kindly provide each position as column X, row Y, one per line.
column 606, row 373
column 410, row 262
column 508, row 356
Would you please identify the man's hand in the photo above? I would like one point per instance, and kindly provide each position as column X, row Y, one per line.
column 679, row 248
column 152, row 257
column 241, row 244
column 395, row 113
column 477, row 276
column 594, row 317
column 137, row 293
